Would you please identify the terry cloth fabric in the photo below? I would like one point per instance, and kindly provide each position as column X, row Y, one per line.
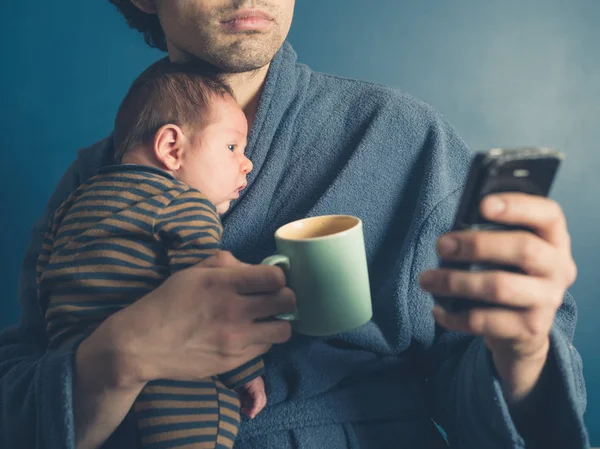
column 115, row 239
column 323, row 144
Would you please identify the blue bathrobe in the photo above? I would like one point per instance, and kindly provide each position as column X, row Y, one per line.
column 323, row 144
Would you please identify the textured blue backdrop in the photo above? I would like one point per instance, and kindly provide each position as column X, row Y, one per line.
column 505, row 72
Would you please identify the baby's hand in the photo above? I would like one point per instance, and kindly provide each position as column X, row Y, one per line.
column 253, row 397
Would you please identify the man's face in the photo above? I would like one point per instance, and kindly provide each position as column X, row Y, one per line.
column 234, row 35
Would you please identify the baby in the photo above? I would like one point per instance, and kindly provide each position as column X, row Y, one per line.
column 180, row 139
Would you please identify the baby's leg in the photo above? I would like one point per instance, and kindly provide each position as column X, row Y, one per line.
column 229, row 411
column 191, row 415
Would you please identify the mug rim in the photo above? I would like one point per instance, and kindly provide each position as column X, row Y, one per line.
column 358, row 222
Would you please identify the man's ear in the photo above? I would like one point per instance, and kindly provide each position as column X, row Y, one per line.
column 169, row 146
column 147, row 6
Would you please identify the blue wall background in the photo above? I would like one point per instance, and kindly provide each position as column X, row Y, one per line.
column 505, row 72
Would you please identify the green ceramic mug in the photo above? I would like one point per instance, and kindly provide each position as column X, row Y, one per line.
column 326, row 266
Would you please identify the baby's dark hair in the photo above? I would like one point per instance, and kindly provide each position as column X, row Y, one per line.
column 147, row 24
column 166, row 93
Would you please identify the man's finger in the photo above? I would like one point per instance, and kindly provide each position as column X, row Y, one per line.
column 253, row 279
column 521, row 249
column 222, row 259
column 255, row 349
column 494, row 287
column 543, row 215
column 504, row 324
column 265, row 306
column 270, row 332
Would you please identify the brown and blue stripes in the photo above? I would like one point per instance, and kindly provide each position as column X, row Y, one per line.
column 116, row 238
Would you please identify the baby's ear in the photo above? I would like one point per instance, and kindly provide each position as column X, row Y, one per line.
column 169, row 144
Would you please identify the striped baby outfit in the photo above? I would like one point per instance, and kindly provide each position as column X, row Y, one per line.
column 116, row 238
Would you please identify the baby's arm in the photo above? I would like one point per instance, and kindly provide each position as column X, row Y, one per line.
column 246, row 380
column 191, row 230
column 242, row 375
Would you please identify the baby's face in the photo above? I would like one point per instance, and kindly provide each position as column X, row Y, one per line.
column 215, row 162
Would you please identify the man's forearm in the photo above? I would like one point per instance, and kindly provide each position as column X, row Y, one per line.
column 105, row 386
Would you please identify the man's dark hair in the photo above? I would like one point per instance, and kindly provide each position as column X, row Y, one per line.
column 166, row 93
column 147, row 24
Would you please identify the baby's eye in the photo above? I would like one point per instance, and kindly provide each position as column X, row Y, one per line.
column 231, row 147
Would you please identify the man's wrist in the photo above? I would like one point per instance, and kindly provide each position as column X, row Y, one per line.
column 105, row 386
column 111, row 348
column 520, row 375
column 526, row 397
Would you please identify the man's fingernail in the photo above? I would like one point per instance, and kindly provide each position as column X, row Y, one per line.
column 447, row 246
column 438, row 312
column 494, row 205
column 427, row 278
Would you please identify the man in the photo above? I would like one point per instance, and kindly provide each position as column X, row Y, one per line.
column 494, row 377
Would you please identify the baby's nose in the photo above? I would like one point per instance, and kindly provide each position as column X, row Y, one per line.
column 246, row 166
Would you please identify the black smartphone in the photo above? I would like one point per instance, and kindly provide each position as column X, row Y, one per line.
column 528, row 170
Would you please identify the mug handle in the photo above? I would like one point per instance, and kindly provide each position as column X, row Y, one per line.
column 279, row 260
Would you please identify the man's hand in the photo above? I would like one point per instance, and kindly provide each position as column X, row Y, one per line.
column 205, row 320
column 518, row 336
column 253, row 397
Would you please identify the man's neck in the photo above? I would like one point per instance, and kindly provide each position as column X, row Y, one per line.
column 247, row 88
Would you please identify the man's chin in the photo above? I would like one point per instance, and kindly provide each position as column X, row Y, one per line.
column 239, row 56
column 246, row 55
